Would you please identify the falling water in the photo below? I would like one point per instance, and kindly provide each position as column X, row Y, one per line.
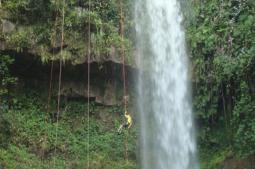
column 167, row 128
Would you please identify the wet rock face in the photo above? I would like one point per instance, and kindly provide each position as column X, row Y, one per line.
column 2, row 45
column 106, row 85
column 105, row 94
column 248, row 163
column 7, row 26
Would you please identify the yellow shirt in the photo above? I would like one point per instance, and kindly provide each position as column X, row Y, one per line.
column 129, row 119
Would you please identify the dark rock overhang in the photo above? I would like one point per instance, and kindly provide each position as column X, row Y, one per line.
column 106, row 78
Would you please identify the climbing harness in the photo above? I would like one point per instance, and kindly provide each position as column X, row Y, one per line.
column 127, row 124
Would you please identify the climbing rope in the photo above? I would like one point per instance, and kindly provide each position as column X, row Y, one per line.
column 123, row 71
column 123, row 54
column 59, row 81
column 52, row 62
column 50, row 85
column 88, row 89
column 51, row 74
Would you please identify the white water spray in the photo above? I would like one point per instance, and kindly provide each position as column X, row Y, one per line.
column 167, row 128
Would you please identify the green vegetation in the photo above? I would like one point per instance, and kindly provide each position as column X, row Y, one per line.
column 39, row 23
column 6, row 80
column 221, row 42
column 29, row 136
column 211, row 159
column 27, row 131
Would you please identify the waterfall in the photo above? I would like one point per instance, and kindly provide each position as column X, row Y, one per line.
column 167, row 127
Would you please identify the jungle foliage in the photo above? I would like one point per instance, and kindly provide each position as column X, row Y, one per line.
column 28, row 136
column 6, row 79
column 222, row 47
column 39, row 26
column 221, row 42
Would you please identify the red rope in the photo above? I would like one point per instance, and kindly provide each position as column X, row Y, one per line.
column 123, row 73
column 123, row 55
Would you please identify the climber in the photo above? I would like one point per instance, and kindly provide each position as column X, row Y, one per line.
column 127, row 124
